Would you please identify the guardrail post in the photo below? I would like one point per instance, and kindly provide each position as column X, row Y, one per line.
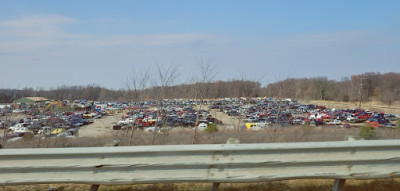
column 215, row 187
column 114, row 143
column 94, row 187
column 339, row 185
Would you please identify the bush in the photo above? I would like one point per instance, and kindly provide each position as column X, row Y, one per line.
column 211, row 128
column 367, row 132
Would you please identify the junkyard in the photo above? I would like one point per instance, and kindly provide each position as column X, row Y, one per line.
column 92, row 119
column 199, row 95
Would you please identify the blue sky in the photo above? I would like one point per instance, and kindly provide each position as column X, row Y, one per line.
column 45, row 44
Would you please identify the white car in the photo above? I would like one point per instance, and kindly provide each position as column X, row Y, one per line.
column 351, row 118
column 202, row 126
column 45, row 131
column 335, row 122
column 16, row 126
column 17, row 111
column 152, row 129
column 70, row 133
column 22, row 130
column 251, row 119
column 122, row 123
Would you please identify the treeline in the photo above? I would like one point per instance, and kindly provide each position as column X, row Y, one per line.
column 89, row 92
column 219, row 89
column 367, row 86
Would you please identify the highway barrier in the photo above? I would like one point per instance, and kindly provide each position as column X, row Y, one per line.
column 216, row 163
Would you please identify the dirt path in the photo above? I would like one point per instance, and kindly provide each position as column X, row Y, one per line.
column 228, row 122
column 100, row 127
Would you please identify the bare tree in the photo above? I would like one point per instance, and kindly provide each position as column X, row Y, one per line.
column 164, row 78
column 206, row 74
column 6, row 120
column 279, row 102
column 136, row 84
column 249, row 87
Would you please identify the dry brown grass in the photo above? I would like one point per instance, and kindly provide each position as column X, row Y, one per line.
column 185, row 136
column 289, row 185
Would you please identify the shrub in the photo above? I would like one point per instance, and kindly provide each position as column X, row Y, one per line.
column 211, row 128
column 367, row 132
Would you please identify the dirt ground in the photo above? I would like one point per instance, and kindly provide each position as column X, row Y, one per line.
column 228, row 122
column 101, row 126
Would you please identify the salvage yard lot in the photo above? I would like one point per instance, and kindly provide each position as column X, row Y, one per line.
column 305, row 123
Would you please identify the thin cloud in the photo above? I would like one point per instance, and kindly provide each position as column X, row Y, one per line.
column 37, row 21
column 44, row 42
column 47, row 31
column 37, row 26
column 165, row 40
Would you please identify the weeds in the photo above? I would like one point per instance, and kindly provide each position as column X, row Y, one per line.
column 287, row 185
column 367, row 132
column 211, row 128
column 179, row 136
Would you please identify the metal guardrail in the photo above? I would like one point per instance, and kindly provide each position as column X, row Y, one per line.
column 202, row 163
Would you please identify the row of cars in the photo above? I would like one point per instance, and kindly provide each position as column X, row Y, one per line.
column 48, row 123
column 258, row 114
column 170, row 115
column 64, row 124
column 289, row 112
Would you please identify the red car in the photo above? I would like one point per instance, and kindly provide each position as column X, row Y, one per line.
column 214, row 120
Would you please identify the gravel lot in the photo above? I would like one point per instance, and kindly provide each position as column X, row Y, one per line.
column 101, row 127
